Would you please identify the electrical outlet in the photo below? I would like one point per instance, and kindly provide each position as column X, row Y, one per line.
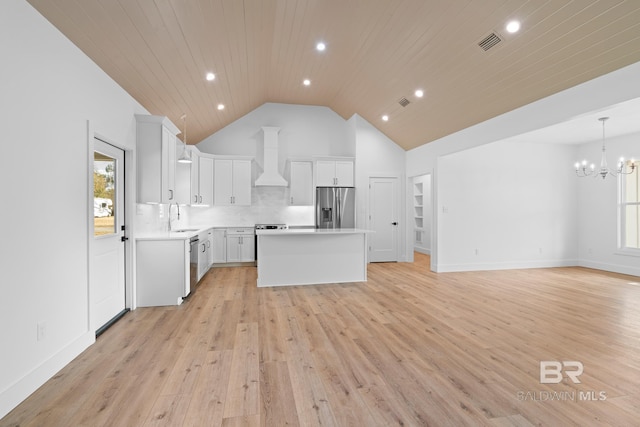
column 42, row 331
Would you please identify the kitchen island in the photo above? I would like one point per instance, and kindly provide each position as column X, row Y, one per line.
column 311, row 256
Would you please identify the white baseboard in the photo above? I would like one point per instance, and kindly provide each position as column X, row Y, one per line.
column 614, row 268
column 422, row 250
column 510, row 265
column 21, row 389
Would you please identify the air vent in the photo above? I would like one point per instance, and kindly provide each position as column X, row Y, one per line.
column 404, row 102
column 490, row 41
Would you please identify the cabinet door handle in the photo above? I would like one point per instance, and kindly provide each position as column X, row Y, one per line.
column 195, row 199
column 170, row 194
column 200, row 199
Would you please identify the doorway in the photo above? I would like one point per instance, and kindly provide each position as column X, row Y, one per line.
column 422, row 213
column 383, row 219
column 107, row 284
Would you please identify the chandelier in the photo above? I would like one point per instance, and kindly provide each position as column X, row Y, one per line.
column 582, row 170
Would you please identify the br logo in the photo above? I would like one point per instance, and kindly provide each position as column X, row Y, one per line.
column 551, row 371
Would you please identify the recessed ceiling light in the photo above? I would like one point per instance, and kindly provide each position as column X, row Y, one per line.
column 513, row 26
column 321, row 46
column 385, row 118
column 419, row 93
column 306, row 82
column 220, row 107
column 210, row 76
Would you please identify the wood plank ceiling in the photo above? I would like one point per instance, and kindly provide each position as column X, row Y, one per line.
column 378, row 51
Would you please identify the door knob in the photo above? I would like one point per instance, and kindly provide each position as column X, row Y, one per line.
column 394, row 223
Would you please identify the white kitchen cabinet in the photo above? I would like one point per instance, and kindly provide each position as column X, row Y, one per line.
column 210, row 248
column 334, row 173
column 240, row 245
column 162, row 272
column 219, row 245
column 301, row 184
column 156, row 159
column 232, row 182
column 202, row 180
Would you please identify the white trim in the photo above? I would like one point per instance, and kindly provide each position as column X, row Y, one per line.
column 614, row 268
column 13, row 395
column 422, row 250
column 628, row 252
column 515, row 265
column 129, row 209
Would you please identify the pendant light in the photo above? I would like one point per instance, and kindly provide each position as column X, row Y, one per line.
column 604, row 171
column 185, row 157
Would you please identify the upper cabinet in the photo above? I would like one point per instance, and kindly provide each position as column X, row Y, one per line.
column 232, row 182
column 202, row 180
column 301, row 183
column 334, row 173
column 156, row 154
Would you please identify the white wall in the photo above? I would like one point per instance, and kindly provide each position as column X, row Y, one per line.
column 378, row 156
column 305, row 131
column 49, row 91
column 616, row 87
column 598, row 209
column 507, row 205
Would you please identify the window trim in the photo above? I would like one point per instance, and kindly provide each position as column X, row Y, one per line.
column 622, row 219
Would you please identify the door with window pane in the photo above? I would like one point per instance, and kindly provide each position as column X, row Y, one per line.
column 107, row 290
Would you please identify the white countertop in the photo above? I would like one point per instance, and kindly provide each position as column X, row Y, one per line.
column 183, row 234
column 169, row 235
column 312, row 231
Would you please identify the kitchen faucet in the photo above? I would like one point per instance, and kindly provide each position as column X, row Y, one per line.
column 169, row 215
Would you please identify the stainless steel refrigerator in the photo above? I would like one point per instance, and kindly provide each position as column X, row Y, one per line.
column 335, row 207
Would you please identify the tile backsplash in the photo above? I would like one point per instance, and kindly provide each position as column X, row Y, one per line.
column 268, row 205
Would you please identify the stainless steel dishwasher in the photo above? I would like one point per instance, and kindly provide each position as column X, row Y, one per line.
column 194, row 243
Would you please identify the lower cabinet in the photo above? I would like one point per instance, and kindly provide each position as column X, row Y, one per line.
column 210, row 248
column 162, row 272
column 240, row 245
column 219, row 253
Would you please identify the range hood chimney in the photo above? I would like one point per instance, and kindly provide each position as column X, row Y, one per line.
column 271, row 176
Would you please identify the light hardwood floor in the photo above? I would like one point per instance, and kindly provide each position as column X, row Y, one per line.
column 408, row 347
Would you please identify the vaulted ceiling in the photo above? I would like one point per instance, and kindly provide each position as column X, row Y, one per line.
column 377, row 52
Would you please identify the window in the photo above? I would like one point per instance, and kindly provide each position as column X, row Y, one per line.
column 630, row 210
column 103, row 194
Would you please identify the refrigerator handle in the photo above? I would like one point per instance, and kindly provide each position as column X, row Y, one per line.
column 338, row 199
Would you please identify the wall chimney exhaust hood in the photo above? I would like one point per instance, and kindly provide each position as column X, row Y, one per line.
column 270, row 176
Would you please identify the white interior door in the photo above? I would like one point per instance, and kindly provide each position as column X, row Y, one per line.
column 383, row 219
column 107, row 289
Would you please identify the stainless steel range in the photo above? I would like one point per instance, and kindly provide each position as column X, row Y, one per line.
column 267, row 227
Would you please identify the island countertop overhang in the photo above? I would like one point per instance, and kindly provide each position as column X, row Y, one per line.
column 313, row 231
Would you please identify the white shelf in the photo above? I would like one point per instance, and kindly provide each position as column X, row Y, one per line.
column 418, row 219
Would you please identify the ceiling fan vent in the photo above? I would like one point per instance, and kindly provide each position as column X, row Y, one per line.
column 404, row 102
column 490, row 41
